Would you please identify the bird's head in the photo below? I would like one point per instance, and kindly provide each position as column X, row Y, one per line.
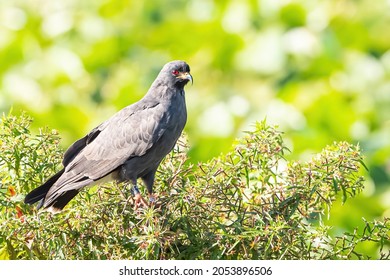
column 177, row 73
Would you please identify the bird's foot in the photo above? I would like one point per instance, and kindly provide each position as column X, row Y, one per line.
column 152, row 199
column 139, row 201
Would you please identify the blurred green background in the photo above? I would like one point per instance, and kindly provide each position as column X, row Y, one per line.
column 318, row 69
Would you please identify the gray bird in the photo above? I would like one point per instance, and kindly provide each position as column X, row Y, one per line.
column 129, row 145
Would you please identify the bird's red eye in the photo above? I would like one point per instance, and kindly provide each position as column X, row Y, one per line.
column 175, row 72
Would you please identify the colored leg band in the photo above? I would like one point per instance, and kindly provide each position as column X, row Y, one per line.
column 135, row 190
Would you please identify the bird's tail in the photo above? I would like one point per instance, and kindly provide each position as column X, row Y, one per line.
column 40, row 192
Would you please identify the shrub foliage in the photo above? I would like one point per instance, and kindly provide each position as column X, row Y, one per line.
column 250, row 203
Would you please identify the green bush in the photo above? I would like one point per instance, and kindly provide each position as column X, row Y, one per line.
column 250, row 203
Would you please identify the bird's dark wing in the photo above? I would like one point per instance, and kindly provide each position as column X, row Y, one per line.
column 129, row 133
column 80, row 144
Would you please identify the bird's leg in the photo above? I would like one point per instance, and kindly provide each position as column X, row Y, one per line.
column 149, row 180
column 138, row 199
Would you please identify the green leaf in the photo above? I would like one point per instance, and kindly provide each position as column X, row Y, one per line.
column 4, row 253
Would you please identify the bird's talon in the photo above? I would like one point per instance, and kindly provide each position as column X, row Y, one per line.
column 152, row 199
column 139, row 201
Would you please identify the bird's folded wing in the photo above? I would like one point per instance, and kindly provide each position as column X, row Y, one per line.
column 80, row 144
column 129, row 133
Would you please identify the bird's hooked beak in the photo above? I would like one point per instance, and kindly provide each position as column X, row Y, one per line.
column 186, row 76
